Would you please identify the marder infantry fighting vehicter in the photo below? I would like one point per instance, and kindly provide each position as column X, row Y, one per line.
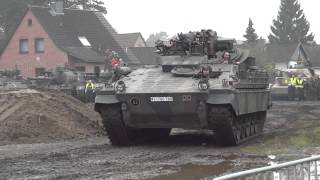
column 203, row 83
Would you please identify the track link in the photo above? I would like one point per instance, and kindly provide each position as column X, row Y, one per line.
column 231, row 130
column 113, row 124
column 120, row 135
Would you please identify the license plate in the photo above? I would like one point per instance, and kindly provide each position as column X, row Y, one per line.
column 161, row 99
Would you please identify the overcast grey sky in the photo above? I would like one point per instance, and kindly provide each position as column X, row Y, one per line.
column 228, row 17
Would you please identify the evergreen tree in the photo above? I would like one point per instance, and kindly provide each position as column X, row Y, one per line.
column 74, row 4
column 152, row 39
column 251, row 35
column 291, row 25
column 86, row 4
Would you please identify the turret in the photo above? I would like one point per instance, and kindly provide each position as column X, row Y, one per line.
column 201, row 43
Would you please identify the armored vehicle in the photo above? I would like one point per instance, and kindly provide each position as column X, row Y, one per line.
column 311, row 86
column 202, row 82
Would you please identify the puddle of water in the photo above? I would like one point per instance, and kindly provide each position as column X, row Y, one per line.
column 192, row 171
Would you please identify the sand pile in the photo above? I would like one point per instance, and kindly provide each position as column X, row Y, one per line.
column 30, row 116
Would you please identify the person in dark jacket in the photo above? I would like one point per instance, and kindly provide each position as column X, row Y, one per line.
column 89, row 91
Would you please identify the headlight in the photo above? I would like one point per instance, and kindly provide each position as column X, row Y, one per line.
column 120, row 87
column 203, row 85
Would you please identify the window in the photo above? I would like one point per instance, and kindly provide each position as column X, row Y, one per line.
column 23, row 46
column 29, row 22
column 84, row 41
column 39, row 45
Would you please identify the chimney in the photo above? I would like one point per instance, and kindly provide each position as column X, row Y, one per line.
column 57, row 8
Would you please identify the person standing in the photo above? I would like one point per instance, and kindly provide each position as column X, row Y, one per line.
column 116, row 65
column 299, row 88
column 89, row 91
column 291, row 87
column 317, row 82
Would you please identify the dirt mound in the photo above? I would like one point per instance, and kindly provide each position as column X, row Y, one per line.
column 30, row 116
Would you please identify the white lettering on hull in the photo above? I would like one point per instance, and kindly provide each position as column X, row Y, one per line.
column 161, row 99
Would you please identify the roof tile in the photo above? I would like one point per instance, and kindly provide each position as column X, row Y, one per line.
column 65, row 29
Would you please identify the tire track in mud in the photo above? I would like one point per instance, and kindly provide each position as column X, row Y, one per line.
column 288, row 117
column 94, row 160
column 291, row 127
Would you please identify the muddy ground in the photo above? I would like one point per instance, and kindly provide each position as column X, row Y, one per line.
column 292, row 131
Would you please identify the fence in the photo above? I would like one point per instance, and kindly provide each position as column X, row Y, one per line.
column 294, row 170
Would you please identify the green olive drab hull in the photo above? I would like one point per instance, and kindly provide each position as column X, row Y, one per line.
column 195, row 92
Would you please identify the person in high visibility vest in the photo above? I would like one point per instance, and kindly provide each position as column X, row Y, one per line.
column 89, row 91
column 299, row 88
column 292, row 81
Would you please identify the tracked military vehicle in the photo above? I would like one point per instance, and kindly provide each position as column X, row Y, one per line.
column 311, row 86
column 202, row 82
